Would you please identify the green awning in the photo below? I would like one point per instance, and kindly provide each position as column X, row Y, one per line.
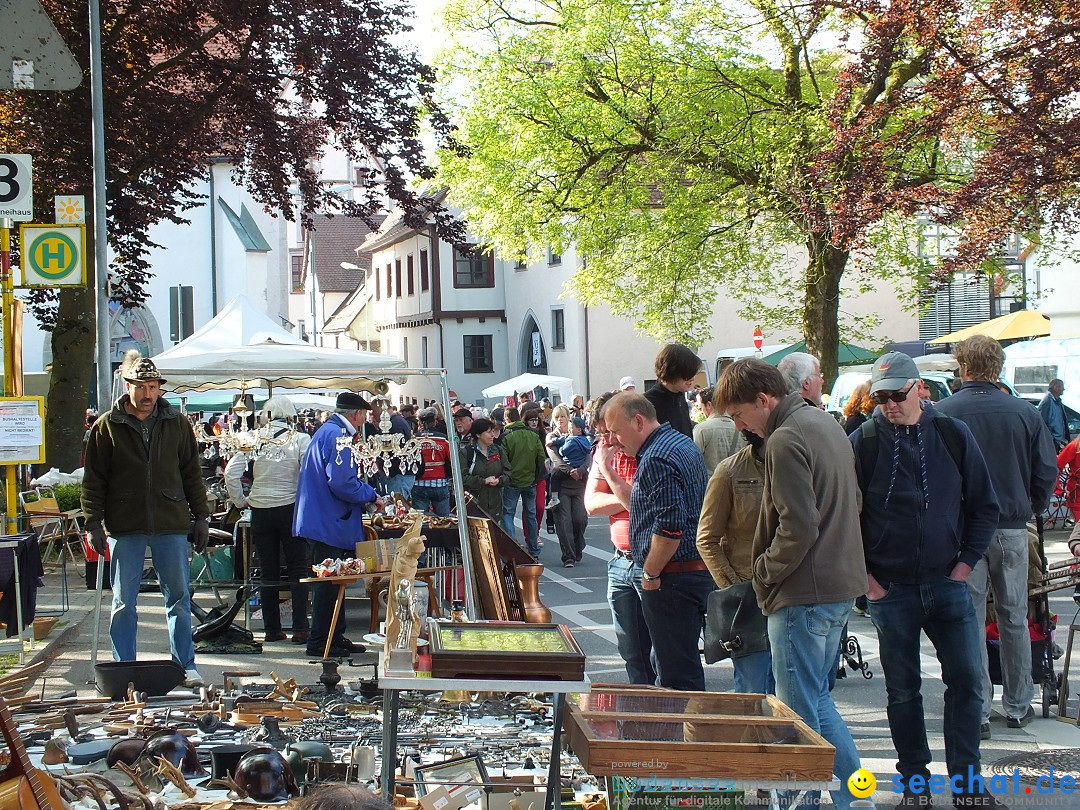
column 848, row 354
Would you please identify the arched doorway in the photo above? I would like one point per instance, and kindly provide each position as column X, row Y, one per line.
column 533, row 353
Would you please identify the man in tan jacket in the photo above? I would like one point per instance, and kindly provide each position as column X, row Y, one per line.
column 808, row 559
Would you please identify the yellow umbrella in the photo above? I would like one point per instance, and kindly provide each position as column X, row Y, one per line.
column 1023, row 323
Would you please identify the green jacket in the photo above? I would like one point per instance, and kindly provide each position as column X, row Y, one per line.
column 137, row 489
column 526, row 453
column 475, row 467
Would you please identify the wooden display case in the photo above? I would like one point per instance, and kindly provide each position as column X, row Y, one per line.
column 505, row 650
column 636, row 732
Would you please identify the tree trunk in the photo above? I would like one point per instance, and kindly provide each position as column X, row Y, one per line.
column 73, row 345
column 821, row 327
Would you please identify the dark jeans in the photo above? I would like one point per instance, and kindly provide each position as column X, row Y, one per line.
column 323, row 597
column 675, row 615
column 942, row 609
column 631, row 632
column 438, row 498
column 271, row 532
column 571, row 519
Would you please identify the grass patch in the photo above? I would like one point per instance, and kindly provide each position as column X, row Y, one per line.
column 8, row 663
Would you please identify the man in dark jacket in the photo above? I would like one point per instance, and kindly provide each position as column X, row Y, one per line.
column 142, row 484
column 928, row 513
column 676, row 368
column 1023, row 467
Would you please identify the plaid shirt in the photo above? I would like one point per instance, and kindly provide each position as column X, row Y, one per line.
column 667, row 494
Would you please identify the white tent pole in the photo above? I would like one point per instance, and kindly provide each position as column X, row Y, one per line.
column 459, row 501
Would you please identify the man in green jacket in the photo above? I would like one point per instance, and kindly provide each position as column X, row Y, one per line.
column 525, row 452
column 142, row 484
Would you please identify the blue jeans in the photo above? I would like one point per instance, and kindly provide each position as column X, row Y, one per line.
column 401, row 484
column 1005, row 566
column 438, row 498
column 510, row 496
column 631, row 632
column 753, row 673
column 169, row 553
column 675, row 615
column 804, row 640
column 942, row 609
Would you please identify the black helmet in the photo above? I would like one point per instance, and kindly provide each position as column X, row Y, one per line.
column 266, row 776
column 177, row 749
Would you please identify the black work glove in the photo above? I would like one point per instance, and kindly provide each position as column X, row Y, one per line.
column 98, row 541
column 200, row 534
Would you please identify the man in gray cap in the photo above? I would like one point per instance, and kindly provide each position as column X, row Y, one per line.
column 928, row 513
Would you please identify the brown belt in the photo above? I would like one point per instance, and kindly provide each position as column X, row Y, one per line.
column 684, row 566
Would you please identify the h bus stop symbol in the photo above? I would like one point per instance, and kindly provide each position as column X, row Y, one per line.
column 52, row 256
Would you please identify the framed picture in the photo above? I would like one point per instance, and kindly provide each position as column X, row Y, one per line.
column 451, row 773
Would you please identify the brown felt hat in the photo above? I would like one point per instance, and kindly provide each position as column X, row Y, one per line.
column 143, row 370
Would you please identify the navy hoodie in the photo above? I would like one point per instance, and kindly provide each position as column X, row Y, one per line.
column 921, row 514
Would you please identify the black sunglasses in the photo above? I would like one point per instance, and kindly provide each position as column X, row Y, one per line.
column 881, row 397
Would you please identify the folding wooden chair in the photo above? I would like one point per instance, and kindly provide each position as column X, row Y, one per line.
column 58, row 532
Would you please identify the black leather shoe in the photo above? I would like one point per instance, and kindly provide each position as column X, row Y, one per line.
column 1020, row 722
column 335, row 652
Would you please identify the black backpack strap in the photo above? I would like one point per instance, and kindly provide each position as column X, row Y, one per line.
column 868, row 449
column 950, row 434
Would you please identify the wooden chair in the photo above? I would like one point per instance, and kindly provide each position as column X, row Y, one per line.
column 59, row 532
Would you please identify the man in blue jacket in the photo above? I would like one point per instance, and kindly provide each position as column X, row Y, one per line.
column 1023, row 467
column 330, row 505
column 928, row 514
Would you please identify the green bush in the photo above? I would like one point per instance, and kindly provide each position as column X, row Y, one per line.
column 68, row 496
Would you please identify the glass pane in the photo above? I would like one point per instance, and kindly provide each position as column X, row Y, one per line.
column 668, row 703
column 723, row 731
column 501, row 640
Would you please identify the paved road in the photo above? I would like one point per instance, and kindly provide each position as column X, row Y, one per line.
column 577, row 597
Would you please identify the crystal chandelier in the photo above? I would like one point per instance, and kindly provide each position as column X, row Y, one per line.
column 264, row 442
column 382, row 448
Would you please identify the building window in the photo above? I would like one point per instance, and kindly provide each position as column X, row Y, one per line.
column 297, row 273
column 397, row 277
column 520, row 263
column 553, row 257
column 302, row 330
column 478, row 358
column 423, row 352
column 473, row 268
column 389, row 282
column 405, row 350
column 423, row 271
column 409, row 273
column 558, row 329
column 378, row 284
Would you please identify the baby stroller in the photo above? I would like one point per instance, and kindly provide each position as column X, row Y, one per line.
column 1040, row 627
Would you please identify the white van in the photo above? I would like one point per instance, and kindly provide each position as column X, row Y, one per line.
column 1031, row 364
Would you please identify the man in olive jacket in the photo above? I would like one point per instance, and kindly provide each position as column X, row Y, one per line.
column 524, row 451
column 808, row 557
column 142, row 483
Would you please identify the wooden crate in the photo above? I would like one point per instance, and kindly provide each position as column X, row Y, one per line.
column 516, row 650
column 631, row 732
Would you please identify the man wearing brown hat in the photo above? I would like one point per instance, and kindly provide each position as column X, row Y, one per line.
column 142, row 485
column 330, row 506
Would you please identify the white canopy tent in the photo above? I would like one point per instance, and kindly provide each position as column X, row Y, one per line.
column 243, row 348
column 527, row 382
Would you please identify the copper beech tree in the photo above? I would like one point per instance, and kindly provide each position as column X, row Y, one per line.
column 762, row 147
column 264, row 85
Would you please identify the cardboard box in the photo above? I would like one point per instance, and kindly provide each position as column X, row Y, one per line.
column 379, row 553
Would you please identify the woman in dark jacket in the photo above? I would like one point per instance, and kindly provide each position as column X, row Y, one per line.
column 858, row 408
column 485, row 469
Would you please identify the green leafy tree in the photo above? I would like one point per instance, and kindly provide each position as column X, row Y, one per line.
column 688, row 146
column 264, row 85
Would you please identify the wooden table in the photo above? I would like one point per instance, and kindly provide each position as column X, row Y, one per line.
column 345, row 580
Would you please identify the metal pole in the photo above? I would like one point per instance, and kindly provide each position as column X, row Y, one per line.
column 101, row 238
column 7, row 301
column 101, row 563
column 459, row 501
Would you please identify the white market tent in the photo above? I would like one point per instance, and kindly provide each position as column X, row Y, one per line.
column 243, row 348
column 527, row 382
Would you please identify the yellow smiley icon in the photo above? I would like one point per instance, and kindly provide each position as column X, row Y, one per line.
column 861, row 783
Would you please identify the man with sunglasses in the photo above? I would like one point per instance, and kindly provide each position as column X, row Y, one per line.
column 928, row 513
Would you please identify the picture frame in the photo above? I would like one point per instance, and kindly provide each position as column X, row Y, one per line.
column 450, row 773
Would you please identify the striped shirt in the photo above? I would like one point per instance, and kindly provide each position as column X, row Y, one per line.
column 667, row 494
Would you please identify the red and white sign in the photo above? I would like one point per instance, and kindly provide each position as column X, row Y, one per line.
column 759, row 339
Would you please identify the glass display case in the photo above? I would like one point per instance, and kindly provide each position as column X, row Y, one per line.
column 505, row 650
column 640, row 731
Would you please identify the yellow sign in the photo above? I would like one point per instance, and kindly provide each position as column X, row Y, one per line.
column 22, row 430
column 862, row 783
column 53, row 255
column 70, row 209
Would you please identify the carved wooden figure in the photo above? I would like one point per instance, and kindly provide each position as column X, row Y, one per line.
column 407, row 553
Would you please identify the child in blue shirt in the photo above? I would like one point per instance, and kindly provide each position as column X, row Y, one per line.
column 574, row 449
